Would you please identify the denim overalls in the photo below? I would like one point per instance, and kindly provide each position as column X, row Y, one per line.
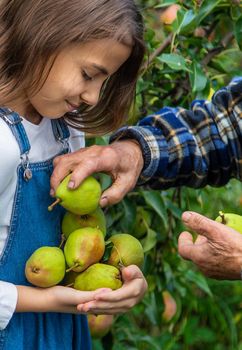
column 32, row 226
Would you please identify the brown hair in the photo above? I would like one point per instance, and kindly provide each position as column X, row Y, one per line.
column 32, row 32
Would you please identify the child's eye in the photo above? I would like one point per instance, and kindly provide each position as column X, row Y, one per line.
column 86, row 76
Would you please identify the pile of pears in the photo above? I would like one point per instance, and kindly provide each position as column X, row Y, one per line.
column 85, row 259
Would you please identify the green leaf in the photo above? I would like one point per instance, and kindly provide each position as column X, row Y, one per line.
column 154, row 200
column 199, row 280
column 174, row 61
column 186, row 21
column 149, row 241
column 108, row 248
column 207, row 7
column 165, row 4
column 238, row 32
column 175, row 210
column 198, row 78
column 128, row 220
column 228, row 61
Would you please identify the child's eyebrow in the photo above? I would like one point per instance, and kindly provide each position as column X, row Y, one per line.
column 102, row 69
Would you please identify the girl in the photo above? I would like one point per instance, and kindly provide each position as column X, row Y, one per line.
column 63, row 64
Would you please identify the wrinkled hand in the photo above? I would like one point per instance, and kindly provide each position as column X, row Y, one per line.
column 121, row 160
column 122, row 299
column 217, row 251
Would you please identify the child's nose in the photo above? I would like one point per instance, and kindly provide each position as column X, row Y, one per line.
column 91, row 96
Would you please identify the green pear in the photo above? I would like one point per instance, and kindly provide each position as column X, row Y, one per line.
column 72, row 222
column 82, row 200
column 232, row 220
column 83, row 248
column 127, row 250
column 98, row 276
column 99, row 325
column 142, row 222
column 45, row 267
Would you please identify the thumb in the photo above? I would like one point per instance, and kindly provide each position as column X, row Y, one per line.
column 131, row 272
column 201, row 225
column 115, row 193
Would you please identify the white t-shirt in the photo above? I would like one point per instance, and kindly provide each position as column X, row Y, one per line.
column 43, row 147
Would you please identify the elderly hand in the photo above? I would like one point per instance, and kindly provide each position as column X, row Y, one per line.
column 217, row 250
column 122, row 160
column 119, row 300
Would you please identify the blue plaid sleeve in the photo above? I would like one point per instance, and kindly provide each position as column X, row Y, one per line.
column 193, row 147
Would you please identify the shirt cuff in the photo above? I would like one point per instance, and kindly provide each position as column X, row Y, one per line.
column 8, row 302
column 151, row 148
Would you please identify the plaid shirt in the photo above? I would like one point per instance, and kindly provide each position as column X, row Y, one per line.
column 197, row 147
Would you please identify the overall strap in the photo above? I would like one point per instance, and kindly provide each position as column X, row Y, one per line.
column 61, row 133
column 14, row 122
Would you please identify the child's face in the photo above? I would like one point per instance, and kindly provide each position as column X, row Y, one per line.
column 77, row 76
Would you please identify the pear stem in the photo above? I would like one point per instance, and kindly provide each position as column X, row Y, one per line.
column 50, row 207
column 72, row 267
column 221, row 214
column 69, row 285
column 120, row 263
column 63, row 239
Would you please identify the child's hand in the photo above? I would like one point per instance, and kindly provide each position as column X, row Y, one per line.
column 120, row 300
column 54, row 299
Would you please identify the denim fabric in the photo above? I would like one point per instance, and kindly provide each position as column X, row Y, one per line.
column 32, row 226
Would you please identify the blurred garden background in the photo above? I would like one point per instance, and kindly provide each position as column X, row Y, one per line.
column 193, row 48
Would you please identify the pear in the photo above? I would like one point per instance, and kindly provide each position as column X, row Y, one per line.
column 72, row 222
column 170, row 306
column 127, row 250
column 82, row 200
column 45, row 267
column 98, row 276
column 83, row 248
column 142, row 222
column 232, row 220
column 99, row 325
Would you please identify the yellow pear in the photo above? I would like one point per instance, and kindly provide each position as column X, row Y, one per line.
column 98, row 276
column 83, row 248
column 170, row 306
column 72, row 222
column 45, row 267
column 127, row 250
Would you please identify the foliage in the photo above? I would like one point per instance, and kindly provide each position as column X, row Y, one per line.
column 198, row 53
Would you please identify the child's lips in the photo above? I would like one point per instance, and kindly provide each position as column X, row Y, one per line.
column 71, row 107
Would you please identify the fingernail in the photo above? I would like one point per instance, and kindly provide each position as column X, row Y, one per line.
column 103, row 202
column 71, row 184
column 186, row 216
column 52, row 192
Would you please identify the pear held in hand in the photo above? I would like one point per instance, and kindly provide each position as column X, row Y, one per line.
column 232, row 220
column 98, row 276
column 127, row 250
column 72, row 222
column 45, row 267
column 83, row 248
column 82, row 200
